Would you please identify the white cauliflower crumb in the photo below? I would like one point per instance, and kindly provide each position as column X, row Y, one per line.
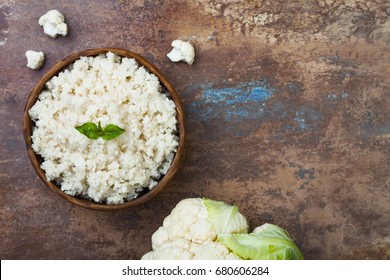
column 53, row 23
column 35, row 60
column 182, row 51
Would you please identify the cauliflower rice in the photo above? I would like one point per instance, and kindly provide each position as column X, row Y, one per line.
column 112, row 90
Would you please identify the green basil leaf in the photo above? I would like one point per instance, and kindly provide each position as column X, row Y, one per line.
column 111, row 131
column 89, row 129
column 94, row 131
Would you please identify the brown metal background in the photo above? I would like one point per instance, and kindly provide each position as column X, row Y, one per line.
column 287, row 110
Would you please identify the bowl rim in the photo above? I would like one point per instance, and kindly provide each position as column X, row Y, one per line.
column 35, row 159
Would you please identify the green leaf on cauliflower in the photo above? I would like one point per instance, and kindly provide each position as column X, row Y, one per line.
column 225, row 218
column 268, row 242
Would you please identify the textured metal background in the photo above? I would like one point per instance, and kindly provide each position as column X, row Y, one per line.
column 287, row 110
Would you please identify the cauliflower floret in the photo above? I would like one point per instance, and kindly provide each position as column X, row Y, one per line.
column 178, row 249
column 182, row 51
column 159, row 238
column 53, row 23
column 35, row 60
column 189, row 220
column 212, row 251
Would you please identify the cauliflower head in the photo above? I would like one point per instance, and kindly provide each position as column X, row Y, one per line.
column 205, row 229
column 191, row 230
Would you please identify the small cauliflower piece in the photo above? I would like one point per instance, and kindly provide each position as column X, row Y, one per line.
column 53, row 23
column 35, row 60
column 182, row 51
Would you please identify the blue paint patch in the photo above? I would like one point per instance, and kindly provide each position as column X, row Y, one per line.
column 305, row 174
column 384, row 129
column 307, row 118
column 260, row 94
column 300, row 122
column 241, row 108
column 242, row 101
column 372, row 131
column 242, row 93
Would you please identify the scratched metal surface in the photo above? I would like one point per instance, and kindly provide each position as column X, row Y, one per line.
column 287, row 110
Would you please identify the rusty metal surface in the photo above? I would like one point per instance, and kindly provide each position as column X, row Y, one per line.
column 287, row 110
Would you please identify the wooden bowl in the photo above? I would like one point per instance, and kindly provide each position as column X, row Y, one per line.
column 36, row 160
